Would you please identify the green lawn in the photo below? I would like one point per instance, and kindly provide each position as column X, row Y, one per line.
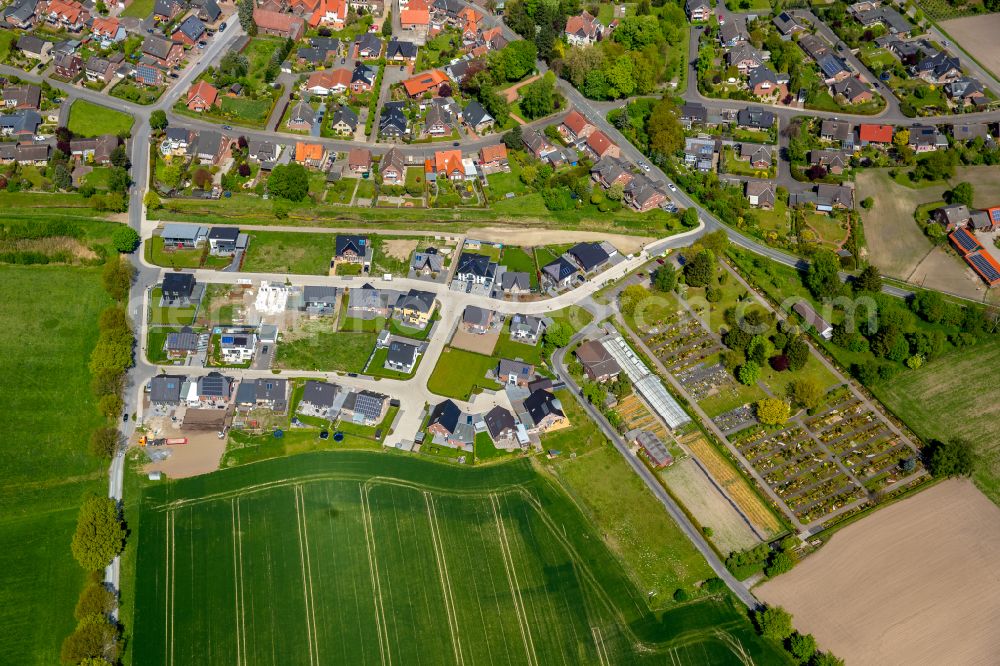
column 49, row 413
column 459, row 374
column 415, row 178
column 343, row 352
column 507, row 348
column 245, row 110
column 156, row 254
column 377, row 367
column 366, row 189
column 98, row 178
column 168, row 315
column 517, row 259
column 88, row 119
column 469, row 564
column 138, row 9
column 282, row 252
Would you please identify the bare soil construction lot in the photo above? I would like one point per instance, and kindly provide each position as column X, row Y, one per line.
column 532, row 238
column 977, row 35
column 915, row 583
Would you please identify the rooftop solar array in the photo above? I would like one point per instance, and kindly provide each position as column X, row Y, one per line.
column 648, row 384
column 966, row 241
column 988, row 269
column 995, row 215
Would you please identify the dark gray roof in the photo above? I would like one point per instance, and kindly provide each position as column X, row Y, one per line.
column 475, row 264
column 351, row 242
column 320, row 294
column 30, row 43
column 512, row 279
column 181, row 283
column 215, row 385
column 475, row 114
column 166, row 388
column 756, row 118
column 156, row 46
column 540, row 404
column 588, row 255
column 224, row 234
column 192, row 28
column 401, row 49
column 344, row 114
column 415, row 299
column 401, row 353
column 368, row 42
column 319, row 394
column 476, row 315
column 523, row 371
column 393, row 119
column 271, row 389
column 185, row 340
column 498, row 421
column 559, row 270
column 446, row 414
column 302, row 112
column 367, row 403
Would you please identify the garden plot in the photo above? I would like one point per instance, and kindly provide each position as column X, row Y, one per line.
column 681, row 342
column 635, row 415
column 820, row 464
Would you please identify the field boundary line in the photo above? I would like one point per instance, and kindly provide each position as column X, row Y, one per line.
column 380, row 624
column 173, row 579
column 312, row 597
column 305, row 583
column 236, row 582
column 166, row 587
column 515, row 589
column 445, row 579
column 243, row 596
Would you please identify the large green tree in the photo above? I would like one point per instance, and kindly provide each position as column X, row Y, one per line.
column 289, row 181
column 125, row 239
column 774, row 622
column 823, row 276
column 951, row 458
column 100, row 533
column 700, row 271
column 538, row 98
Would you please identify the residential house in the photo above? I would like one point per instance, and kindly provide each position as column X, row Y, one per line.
column 598, row 364
column 536, row 143
column 310, row 154
column 66, row 14
column 166, row 10
column 359, row 161
column 20, row 14
column 610, row 171
column 319, row 300
column 400, row 51
column 926, row 138
column 429, row 262
column 874, row 135
column 439, row 120
column 515, row 282
column 96, row 150
column 214, row 388
column 343, row 120
column 560, row 273
column 760, row 193
column 583, row 29
column 787, row 25
column 350, row 249
column 852, row 90
column 363, row 78
column 329, row 81
column 501, row 425
column 588, row 256
column 733, row 33
column 22, row 97
column 177, row 142
column 148, row 75
column 966, row 90
column 525, row 328
column 494, row 158
column 425, row 83
column 757, row 155
column 401, row 357
column 282, row 25
column 462, row 69
column 330, row 13
column 166, row 389
column 414, row 308
column 834, row 161
column 302, row 117
column 35, row 154
column 756, row 119
column 833, row 68
column 444, row 420
column 369, row 302
column 545, row 411
column 477, row 320
column 182, row 344
column 393, row 167
column 744, row 57
column 364, row 407
column 223, row 240
column 600, row 146
column 100, row 69
column 448, row 164
column 477, row 118
column 825, row 197
column 700, row 153
column 67, row 66
column 693, row 113
column 952, row 216
column 368, row 46
column 515, row 373
column 237, row 348
column 264, row 152
column 189, row 32
column 34, row 47
column 968, row 131
column 979, row 260
column 317, row 399
column 839, row 131
column 939, row 68
column 163, row 51
column 269, row 393
column 208, row 10
column 202, row 96
column 815, row 47
column 179, row 236
column 414, row 19
column 393, row 123
column 476, row 269
column 643, row 193
column 764, row 82
column 177, row 287
column 22, row 124
column 697, row 10
column 211, row 147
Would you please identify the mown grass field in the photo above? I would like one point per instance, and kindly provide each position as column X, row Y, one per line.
column 364, row 558
column 48, row 412
column 459, row 373
column 88, row 119
column 935, row 402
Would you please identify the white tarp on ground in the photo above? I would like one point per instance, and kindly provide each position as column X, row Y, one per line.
column 648, row 384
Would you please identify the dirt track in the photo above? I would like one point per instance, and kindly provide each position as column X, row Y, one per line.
column 915, row 583
column 532, row 238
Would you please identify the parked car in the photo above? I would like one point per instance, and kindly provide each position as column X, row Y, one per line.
column 222, row 27
column 673, row 188
column 125, row 416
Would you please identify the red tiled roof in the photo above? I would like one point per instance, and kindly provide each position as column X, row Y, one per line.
column 448, row 161
column 204, row 91
column 414, row 17
column 329, row 79
column 575, row 122
column 308, row 151
column 269, row 20
column 421, row 83
column 493, row 153
column 599, row 142
column 875, row 133
column 105, row 26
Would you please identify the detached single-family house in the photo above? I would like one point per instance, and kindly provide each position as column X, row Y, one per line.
column 545, row 411
column 350, row 249
column 310, row 154
column 393, row 123
column 852, row 91
column 97, row 150
column 494, row 158
column 359, row 160
column 600, row 146
column 927, row 138
column 560, row 272
column 476, row 269
column 400, row 51
column 302, row 117
column 414, row 308
column 598, row 364
column 317, row 399
column 515, row 282
column 163, row 51
column 202, row 96
column 180, row 236
column 757, row 155
column 166, row 389
column 583, row 29
column 444, row 422
column 875, row 135
column 744, row 57
column 697, row 10
column 813, row 320
column 343, row 120
column 237, row 348
column 477, row 118
column 182, row 344
column 223, row 240
column 189, row 31
column 643, row 193
column 525, row 328
column 319, row 300
column 939, row 68
column 966, row 90
column 269, row 393
column 839, row 131
column 270, row 22
column 501, row 425
column 369, row 302
column 515, row 373
column 765, row 82
column 364, row 407
column 34, row 47
column 393, row 167
column 401, row 357
column 425, row 83
column 760, row 194
column 477, row 320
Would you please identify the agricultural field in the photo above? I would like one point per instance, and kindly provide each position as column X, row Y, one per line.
column 973, row 34
column 913, row 583
column 370, row 558
column 48, row 413
column 87, row 119
column 931, row 402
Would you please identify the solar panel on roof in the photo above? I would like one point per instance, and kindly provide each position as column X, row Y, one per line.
column 966, row 240
column 995, row 215
column 984, row 266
